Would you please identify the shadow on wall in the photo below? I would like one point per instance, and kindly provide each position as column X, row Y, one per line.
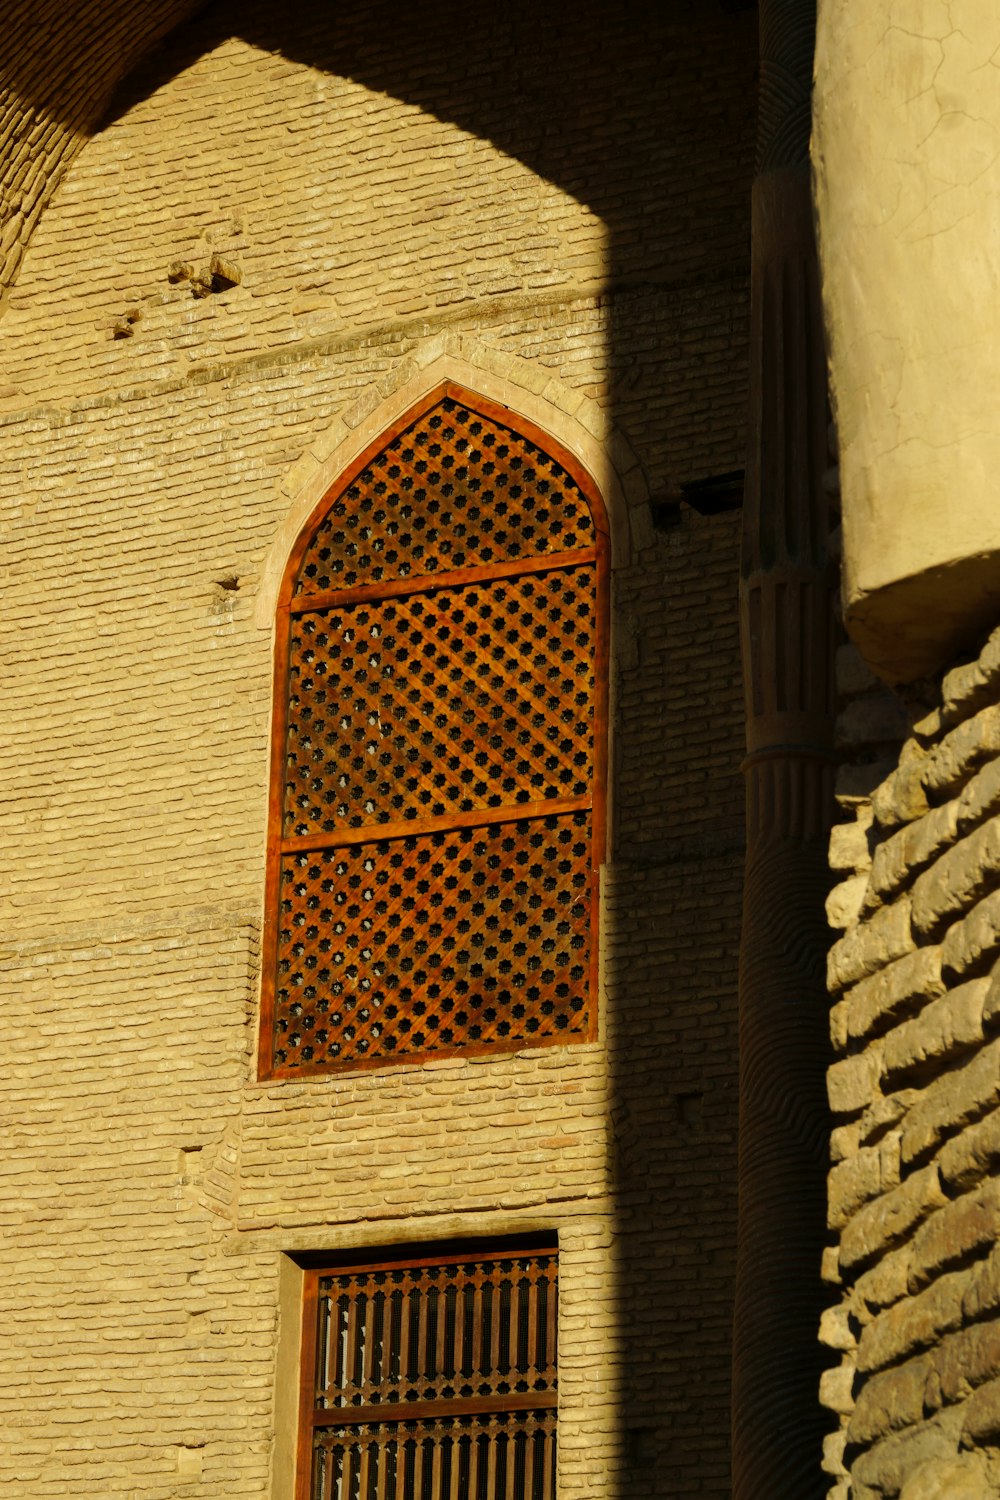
column 657, row 140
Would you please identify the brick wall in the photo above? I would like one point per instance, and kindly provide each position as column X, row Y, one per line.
column 913, row 1193
column 375, row 192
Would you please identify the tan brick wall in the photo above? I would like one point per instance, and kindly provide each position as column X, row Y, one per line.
column 913, row 1193
column 388, row 195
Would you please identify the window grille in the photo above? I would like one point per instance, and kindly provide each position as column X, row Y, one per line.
column 431, row 1380
column 439, row 744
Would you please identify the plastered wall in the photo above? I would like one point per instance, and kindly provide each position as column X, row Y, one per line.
column 389, row 202
column 906, row 155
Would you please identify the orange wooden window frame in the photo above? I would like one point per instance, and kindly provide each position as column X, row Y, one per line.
column 288, row 606
column 461, row 1255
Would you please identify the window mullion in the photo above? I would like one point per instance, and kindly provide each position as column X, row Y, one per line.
column 429, row 583
column 480, row 817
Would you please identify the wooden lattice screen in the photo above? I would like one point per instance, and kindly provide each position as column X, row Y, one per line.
column 439, row 743
column 431, row 1380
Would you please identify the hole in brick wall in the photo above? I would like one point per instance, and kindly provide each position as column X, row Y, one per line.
column 641, row 1447
column 665, row 512
column 689, row 1109
column 189, row 1163
column 224, row 273
column 221, row 274
column 716, row 493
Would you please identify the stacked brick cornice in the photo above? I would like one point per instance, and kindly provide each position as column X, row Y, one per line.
column 914, row 1193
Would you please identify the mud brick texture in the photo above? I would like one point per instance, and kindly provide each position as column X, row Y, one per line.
column 914, row 1192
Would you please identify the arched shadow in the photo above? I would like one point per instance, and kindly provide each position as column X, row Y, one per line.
column 644, row 113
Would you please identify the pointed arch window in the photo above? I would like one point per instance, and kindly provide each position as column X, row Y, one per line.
column 438, row 754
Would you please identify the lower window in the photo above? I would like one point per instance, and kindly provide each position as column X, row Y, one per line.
column 431, row 1378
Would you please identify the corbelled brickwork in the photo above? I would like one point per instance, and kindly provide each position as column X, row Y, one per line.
column 914, row 1193
column 285, row 223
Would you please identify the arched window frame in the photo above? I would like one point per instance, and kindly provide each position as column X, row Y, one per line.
column 277, row 845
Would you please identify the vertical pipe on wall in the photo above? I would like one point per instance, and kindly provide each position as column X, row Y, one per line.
column 787, row 635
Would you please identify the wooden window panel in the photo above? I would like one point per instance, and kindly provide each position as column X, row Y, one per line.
column 431, row 1379
column 439, row 744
